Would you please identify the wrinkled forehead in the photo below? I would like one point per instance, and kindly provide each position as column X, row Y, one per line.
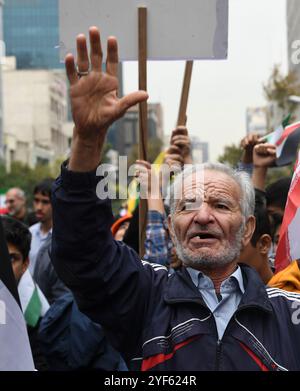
column 207, row 183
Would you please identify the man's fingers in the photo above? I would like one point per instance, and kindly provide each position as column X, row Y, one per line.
column 71, row 69
column 173, row 149
column 83, row 63
column 180, row 140
column 182, row 130
column 174, row 158
column 96, row 49
column 112, row 57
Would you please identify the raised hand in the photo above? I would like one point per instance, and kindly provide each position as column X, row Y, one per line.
column 181, row 139
column 264, row 155
column 94, row 100
column 247, row 144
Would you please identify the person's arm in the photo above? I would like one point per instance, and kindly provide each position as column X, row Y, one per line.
column 156, row 241
column 247, row 144
column 108, row 281
column 264, row 156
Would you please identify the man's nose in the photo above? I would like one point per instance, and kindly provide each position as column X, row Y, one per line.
column 203, row 214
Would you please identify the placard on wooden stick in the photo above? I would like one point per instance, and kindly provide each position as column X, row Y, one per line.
column 177, row 29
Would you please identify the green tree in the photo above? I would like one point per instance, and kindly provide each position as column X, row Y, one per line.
column 280, row 87
column 232, row 155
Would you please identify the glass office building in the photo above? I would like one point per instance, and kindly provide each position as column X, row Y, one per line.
column 31, row 33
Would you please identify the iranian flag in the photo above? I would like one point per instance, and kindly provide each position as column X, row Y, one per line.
column 286, row 138
column 289, row 244
column 15, row 352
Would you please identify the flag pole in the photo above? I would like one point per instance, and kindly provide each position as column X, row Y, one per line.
column 143, row 114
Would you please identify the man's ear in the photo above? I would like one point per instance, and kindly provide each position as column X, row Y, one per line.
column 264, row 244
column 249, row 230
column 25, row 265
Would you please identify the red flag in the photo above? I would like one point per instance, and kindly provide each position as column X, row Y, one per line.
column 289, row 239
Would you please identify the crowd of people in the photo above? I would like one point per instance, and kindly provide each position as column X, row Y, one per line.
column 204, row 296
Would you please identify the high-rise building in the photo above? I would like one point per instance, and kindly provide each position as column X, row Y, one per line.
column 126, row 134
column 257, row 120
column 200, row 150
column 293, row 39
column 31, row 33
column 293, row 32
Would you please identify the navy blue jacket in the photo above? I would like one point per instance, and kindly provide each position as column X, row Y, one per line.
column 70, row 341
column 157, row 321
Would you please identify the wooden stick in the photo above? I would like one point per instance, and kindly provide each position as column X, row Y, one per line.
column 181, row 121
column 143, row 117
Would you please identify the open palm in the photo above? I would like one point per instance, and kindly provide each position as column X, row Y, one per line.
column 94, row 101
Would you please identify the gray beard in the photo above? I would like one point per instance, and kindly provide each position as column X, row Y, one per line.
column 206, row 260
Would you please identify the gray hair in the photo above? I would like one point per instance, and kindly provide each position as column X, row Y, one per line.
column 19, row 192
column 241, row 178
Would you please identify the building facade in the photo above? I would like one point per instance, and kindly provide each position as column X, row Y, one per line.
column 200, row 150
column 125, row 133
column 35, row 115
column 293, row 40
column 31, row 33
column 257, row 120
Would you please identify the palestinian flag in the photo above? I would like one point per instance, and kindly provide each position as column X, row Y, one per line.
column 286, row 138
column 15, row 352
column 33, row 302
column 289, row 244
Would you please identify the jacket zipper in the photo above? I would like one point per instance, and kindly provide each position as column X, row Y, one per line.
column 218, row 354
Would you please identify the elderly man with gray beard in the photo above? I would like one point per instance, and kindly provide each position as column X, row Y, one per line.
column 212, row 314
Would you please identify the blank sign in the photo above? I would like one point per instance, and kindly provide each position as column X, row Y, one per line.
column 177, row 29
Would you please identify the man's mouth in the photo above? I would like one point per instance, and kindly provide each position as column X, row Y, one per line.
column 203, row 238
column 204, row 235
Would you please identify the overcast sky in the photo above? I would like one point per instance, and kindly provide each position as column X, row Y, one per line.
column 222, row 90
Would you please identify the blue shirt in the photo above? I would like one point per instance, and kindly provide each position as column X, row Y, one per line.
column 231, row 292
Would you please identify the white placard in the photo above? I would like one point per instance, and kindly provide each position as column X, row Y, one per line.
column 177, row 29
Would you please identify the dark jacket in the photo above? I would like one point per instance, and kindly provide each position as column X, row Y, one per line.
column 45, row 275
column 157, row 321
column 69, row 340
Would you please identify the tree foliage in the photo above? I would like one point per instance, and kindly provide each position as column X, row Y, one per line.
column 232, row 155
column 25, row 177
column 280, row 87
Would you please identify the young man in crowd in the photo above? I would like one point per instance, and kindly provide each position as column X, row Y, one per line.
column 42, row 230
column 33, row 302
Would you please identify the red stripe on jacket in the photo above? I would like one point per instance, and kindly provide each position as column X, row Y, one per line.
column 151, row 362
column 255, row 358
